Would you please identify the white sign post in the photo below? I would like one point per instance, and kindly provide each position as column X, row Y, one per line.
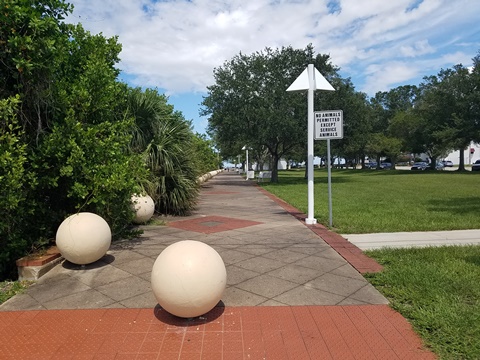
column 329, row 125
column 310, row 79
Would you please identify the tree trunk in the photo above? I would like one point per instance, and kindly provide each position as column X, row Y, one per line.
column 275, row 169
column 461, row 164
column 393, row 160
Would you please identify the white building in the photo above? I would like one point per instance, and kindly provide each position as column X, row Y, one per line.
column 282, row 165
column 471, row 154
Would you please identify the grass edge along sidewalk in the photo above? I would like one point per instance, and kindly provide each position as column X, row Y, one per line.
column 437, row 290
column 370, row 201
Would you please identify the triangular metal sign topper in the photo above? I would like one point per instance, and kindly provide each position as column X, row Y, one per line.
column 302, row 84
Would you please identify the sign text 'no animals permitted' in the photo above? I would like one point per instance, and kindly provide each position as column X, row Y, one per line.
column 328, row 124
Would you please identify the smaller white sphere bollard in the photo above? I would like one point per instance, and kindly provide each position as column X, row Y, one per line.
column 83, row 238
column 144, row 208
column 188, row 278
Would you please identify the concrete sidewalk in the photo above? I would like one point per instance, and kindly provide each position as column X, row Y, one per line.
column 293, row 292
column 271, row 259
column 414, row 239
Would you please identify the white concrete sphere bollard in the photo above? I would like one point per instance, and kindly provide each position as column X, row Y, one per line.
column 188, row 278
column 144, row 208
column 83, row 238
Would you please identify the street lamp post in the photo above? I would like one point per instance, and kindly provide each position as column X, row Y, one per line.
column 246, row 163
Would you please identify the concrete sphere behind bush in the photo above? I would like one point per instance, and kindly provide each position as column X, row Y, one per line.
column 83, row 238
column 188, row 278
column 144, row 208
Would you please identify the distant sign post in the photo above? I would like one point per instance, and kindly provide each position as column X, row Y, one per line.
column 329, row 125
column 310, row 79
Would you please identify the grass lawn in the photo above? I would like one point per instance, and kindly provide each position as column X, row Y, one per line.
column 366, row 201
column 436, row 289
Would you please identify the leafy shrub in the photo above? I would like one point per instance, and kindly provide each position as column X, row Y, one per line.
column 16, row 181
column 87, row 167
column 205, row 157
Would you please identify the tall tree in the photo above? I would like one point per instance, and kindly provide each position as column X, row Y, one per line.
column 448, row 103
column 357, row 119
column 383, row 141
column 409, row 127
column 249, row 105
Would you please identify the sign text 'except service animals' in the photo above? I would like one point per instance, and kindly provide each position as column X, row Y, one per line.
column 328, row 124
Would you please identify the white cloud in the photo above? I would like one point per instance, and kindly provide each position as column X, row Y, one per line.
column 418, row 48
column 175, row 44
column 385, row 76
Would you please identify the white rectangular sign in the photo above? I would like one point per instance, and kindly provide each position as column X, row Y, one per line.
column 328, row 124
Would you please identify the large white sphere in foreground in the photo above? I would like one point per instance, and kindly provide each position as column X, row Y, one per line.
column 144, row 208
column 83, row 238
column 188, row 278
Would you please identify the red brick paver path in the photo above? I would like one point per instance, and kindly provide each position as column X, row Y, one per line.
column 297, row 332
column 212, row 224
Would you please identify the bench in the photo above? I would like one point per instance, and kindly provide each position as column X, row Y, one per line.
column 264, row 175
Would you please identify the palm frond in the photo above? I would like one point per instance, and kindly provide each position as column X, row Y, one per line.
column 164, row 139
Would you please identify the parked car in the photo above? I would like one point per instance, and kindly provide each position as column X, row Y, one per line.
column 419, row 166
column 447, row 163
column 383, row 165
column 476, row 165
column 422, row 165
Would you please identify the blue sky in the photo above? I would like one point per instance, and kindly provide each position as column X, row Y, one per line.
column 174, row 45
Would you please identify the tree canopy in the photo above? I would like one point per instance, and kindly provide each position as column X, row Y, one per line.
column 248, row 105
